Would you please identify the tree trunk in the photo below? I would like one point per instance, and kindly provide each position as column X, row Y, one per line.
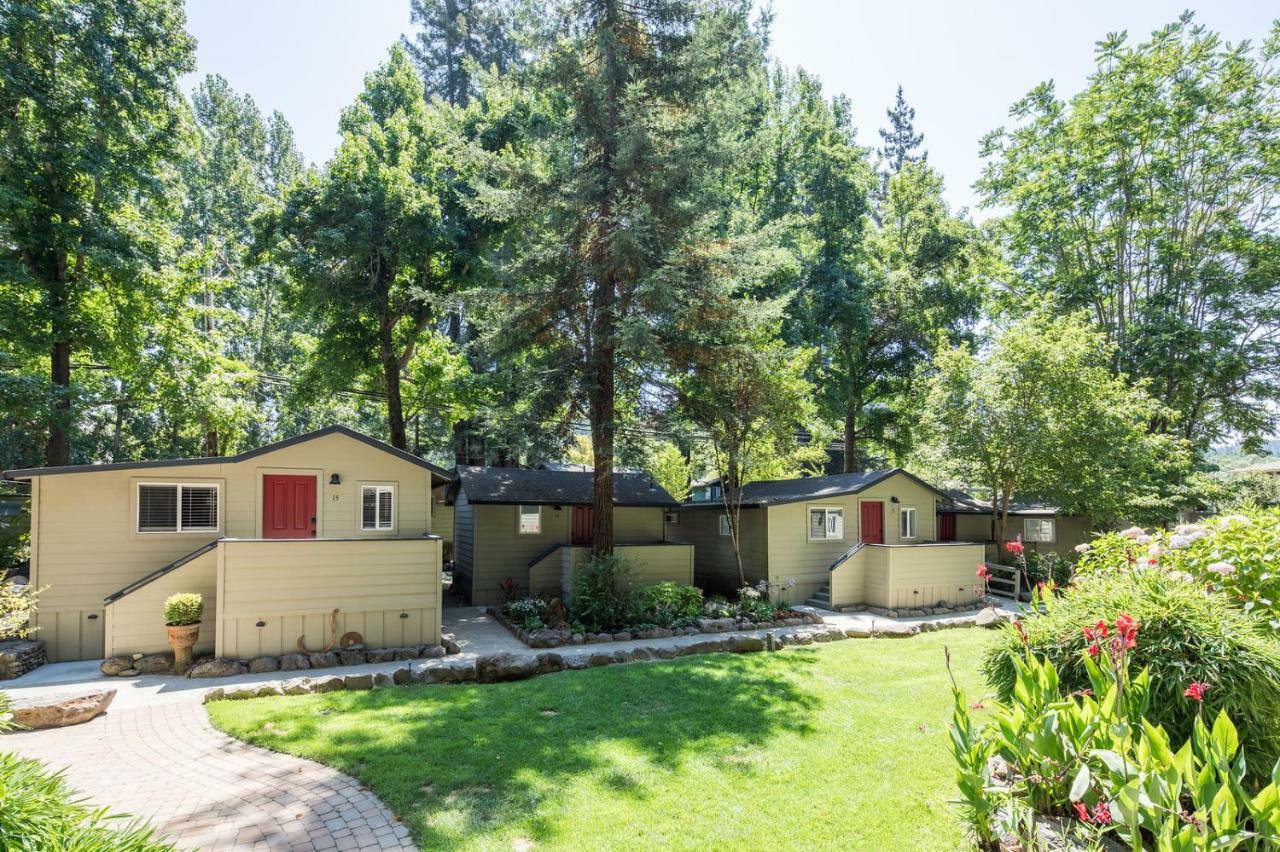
column 58, row 450
column 850, row 437
column 602, row 433
column 391, row 377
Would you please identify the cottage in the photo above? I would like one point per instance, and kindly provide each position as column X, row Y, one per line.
column 297, row 541
column 852, row 538
column 1043, row 528
column 527, row 530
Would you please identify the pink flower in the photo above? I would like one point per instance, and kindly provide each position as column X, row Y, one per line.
column 1196, row 690
column 1082, row 811
column 1014, row 546
column 1102, row 813
column 1222, row 569
column 1133, row 532
column 983, row 572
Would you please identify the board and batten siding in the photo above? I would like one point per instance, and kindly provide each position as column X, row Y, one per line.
column 923, row 576
column 135, row 623
column 388, row 591
column 85, row 543
column 715, row 568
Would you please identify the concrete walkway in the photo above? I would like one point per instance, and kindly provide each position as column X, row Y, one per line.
column 202, row 789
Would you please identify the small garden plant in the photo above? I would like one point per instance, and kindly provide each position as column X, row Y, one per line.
column 183, row 609
column 1092, row 759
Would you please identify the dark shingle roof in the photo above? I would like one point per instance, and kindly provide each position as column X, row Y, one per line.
column 555, row 487
column 439, row 474
column 966, row 504
column 777, row 491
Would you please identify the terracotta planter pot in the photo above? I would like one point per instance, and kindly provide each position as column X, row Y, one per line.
column 182, row 639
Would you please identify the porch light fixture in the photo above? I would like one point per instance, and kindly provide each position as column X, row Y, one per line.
column 260, row 624
column 404, row 615
column 894, row 500
column 334, row 479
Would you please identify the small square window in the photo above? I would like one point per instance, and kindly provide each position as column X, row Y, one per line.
column 377, row 508
column 530, row 520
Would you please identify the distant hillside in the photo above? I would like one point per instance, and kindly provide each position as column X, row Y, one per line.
column 1229, row 457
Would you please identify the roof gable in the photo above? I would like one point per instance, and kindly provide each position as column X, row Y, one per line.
column 510, row 485
column 437, row 473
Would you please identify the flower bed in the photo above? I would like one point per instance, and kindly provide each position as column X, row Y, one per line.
column 548, row 637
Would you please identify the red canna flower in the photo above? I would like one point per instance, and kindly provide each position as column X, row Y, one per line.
column 1022, row 631
column 983, row 572
column 1082, row 811
column 1094, row 650
column 1196, row 690
column 1014, row 546
column 1125, row 622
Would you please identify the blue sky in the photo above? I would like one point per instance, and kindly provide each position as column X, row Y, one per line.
column 961, row 63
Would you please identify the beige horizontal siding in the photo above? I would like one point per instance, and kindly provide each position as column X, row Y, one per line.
column 85, row 543
column 135, row 622
column 295, row 585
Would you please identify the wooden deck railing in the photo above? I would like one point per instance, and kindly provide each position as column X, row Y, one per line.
column 1004, row 580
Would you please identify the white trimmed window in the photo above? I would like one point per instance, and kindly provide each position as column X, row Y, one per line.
column 725, row 528
column 530, row 520
column 907, row 522
column 377, row 507
column 1039, row 529
column 826, row 524
column 172, row 508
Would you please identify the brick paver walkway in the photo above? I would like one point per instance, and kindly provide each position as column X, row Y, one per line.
column 205, row 790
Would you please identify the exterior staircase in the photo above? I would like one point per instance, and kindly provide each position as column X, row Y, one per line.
column 821, row 598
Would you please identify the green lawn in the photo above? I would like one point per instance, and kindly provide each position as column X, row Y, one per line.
column 829, row 746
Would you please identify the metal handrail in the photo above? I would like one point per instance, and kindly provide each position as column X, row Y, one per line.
column 848, row 554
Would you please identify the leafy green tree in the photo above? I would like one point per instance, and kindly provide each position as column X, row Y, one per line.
column 900, row 138
column 368, row 243
column 1040, row 416
column 671, row 468
column 92, row 121
column 749, row 402
column 1151, row 200
column 635, row 115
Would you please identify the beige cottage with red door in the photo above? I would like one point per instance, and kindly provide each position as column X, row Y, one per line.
column 275, row 539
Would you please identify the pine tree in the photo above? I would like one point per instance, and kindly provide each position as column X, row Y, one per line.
column 901, row 139
column 455, row 33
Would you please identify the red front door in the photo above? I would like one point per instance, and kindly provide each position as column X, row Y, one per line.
column 946, row 527
column 582, row 521
column 872, row 522
column 288, row 506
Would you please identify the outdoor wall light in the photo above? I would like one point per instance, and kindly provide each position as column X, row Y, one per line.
column 404, row 615
column 894, row 500
column 260, row 624
column 334, row 479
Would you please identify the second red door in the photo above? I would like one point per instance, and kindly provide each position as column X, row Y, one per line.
column 872, row 518
column 288, row 506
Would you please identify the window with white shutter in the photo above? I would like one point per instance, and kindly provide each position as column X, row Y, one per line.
column 377, row 508
column 177, row 508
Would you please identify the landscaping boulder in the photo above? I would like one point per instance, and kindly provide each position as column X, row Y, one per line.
column 19, row 656
column 716, row 625
column 271, row 687
column 450, row 646
column 129, row 673
column 217, row 668
column 297, row 686
column 327, row 683
column 112, row 666
column 991, row 617
column 492, row 668
column 432, row 652
column 323, row 660
column 894, row 629
column 351, row 657
column 403, row 674
column 624, row 636
column 380, row 655
column 294, row 662
column 154, row 664
column 358, row 681
column 258, row 665
column 215, row 694
column 382, row 679
column 59, row 710
column 548, row 662
column 746, row 644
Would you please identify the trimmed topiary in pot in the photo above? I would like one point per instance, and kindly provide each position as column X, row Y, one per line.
column 183, row 609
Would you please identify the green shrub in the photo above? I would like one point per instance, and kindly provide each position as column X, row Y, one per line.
column 1094, row 758
column 39, row 811
column 1235, row 554
column 1188, row 635
column 667, row 604
column 604, row 599
column 183, row 609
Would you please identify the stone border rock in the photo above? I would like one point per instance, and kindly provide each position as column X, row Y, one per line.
column 497, row 668
column 135, row 664
column 914, row 612
column 551, row 638
column 19, row 656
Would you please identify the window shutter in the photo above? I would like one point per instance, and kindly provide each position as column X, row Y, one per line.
column 199, row 507
column 368, row 508
column 157, row 508
column 384, row 509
